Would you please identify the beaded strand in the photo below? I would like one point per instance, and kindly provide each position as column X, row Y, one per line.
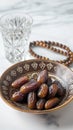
column 52, row 46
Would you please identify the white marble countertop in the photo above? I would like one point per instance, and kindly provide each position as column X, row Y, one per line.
column 52, row 20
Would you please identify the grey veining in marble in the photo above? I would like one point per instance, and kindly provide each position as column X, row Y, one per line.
column 46, row 11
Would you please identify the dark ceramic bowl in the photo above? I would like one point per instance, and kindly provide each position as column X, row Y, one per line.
column 31, row 68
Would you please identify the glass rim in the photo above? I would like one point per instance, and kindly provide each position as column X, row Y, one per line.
column 16, row 12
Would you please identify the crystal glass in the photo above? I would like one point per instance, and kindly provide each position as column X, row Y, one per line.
column 16, row 28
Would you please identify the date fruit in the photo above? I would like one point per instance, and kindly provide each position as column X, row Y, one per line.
column 43, row 93
column 53, row 90
column 61, row 91
column 42, row 77
column 22, row 80
column 17, row 96
column 40, row 104
column 52, row 103
column 43, row 90
column 32, row 85
column 32, row 100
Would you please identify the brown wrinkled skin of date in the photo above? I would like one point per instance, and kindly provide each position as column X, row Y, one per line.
column 42, row 77
column 32, row 100
column 53, row 89
column 61, row 91
column 40, row 104
column 52, row 103
column 22, row 80
column 43, row 90
column 17, row 96
column 32, row 85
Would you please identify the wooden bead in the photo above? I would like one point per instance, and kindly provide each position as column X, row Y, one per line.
column 71, row 59
column 43, row 45
column 49, row 45
column 46, row 58
column 53, row 43
column 37, row 43
column 70, row 52
column 71, row 56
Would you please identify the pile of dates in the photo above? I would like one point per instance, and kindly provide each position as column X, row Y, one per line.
column 39, row 94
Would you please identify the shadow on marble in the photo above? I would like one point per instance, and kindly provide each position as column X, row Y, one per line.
column 62, row 118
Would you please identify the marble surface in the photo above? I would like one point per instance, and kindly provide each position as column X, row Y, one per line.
column 52, row 20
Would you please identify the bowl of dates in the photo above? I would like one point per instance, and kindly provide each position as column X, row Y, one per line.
column 37, row 86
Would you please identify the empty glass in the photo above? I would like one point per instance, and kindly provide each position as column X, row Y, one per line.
column 15, row 28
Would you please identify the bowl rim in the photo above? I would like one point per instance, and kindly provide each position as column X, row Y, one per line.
column 29, row 110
